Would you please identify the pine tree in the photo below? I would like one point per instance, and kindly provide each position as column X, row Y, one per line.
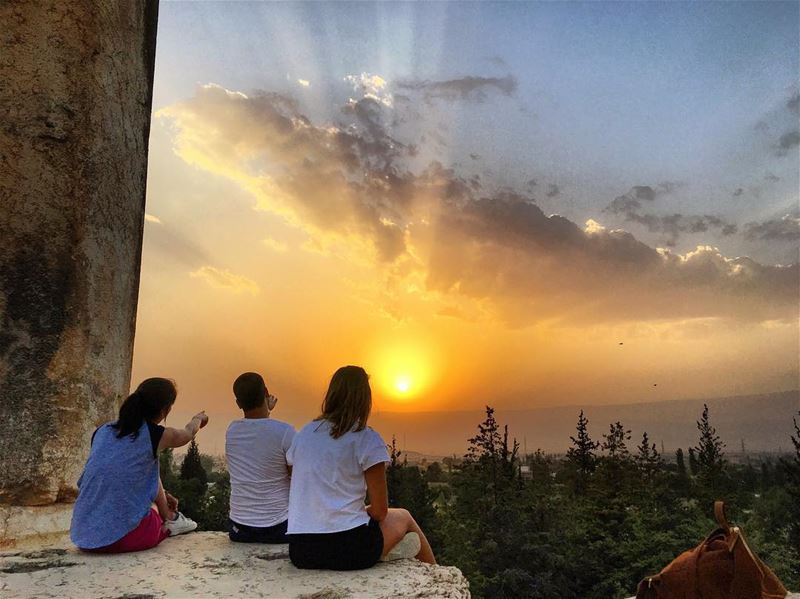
column 647, row 458
column 192, row 467
column 582, row 453
column 486, row 444
column 393, row 475
column 490, row 453
column 792, row 470
column 710, row 455
column 614, row 442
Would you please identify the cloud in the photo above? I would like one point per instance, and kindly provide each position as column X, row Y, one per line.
column 552, row 190
column 152, row 219
column 793, row 103
column 771, row 177
column 354, row 185
column 371, row 86
column 787, row 141
column 171, row 244
column 304, row 82
column 275, row 245
column 786, row 229
column 466, row 88
column 630, row 206
column 224, row 279
column 737, row 192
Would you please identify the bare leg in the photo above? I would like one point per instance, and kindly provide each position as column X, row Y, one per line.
column 161, row 503
column 396, row 525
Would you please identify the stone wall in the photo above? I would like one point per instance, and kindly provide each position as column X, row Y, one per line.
column 75, row 99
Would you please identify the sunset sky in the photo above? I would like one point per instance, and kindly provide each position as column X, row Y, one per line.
column 517, row 204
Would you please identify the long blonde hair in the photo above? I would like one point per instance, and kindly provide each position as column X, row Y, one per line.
column 348, row 401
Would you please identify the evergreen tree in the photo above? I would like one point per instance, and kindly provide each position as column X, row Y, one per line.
column 710, row 455
column 582, row 453
column 647, row 458
column 490, row 453
column 792, row 471
column 393, row 473
column 614, row 442
column 192, row 467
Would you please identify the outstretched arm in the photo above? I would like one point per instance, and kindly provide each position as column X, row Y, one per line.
column 178, row 437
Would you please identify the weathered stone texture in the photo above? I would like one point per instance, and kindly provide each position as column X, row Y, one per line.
column 75, row 97
column 207, row 564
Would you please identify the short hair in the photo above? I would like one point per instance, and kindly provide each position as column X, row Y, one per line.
column 250, row 390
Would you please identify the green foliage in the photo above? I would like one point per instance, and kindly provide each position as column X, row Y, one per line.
column 435, row 474
column 192, row 465
column 581, row 456
column 204, row 503
column 792, row 472
column 710, row 455
column 546, row 536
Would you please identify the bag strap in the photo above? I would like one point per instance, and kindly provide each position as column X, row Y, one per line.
column 719, row 515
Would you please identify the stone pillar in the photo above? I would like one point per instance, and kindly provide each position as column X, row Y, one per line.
column 75, row 97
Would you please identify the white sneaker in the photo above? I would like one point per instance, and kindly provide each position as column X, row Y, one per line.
column 180, row 525
column 407, row 548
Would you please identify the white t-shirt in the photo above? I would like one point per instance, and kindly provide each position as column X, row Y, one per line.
column 328, row 486
column 255, row 449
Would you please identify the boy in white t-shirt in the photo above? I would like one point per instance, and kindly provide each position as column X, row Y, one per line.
column 255, row 448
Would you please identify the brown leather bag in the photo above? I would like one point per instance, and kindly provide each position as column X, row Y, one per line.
column 721, row 567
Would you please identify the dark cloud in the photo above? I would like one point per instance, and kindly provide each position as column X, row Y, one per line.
column 672, row 226
column 531, row 183
column 355, row 183
column 475, row 156
column 737, row 192
column 466, row 88
column 552, row 190
column 772, row 178
column 787, row 141
column 793, row 103
column 786, row 229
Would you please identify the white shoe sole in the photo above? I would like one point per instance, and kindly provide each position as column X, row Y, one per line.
column 407, row 548
column 181, row 530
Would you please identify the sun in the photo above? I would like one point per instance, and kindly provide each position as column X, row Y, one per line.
column 402, row 384
column 403, row 372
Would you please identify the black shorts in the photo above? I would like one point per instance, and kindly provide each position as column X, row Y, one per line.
column 354, row 549
column 241, row 533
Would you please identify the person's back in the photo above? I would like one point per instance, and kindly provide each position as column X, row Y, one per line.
column 328, row 485
column 337, row 461
column 255, row 449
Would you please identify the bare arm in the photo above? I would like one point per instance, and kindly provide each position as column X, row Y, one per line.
column 178, row 437
column 378, row 493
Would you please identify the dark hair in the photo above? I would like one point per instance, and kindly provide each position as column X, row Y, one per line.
column 348, row 401
column 149, row 400
column 250, row 390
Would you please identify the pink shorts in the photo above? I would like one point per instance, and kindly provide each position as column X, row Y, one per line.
column 146, row 535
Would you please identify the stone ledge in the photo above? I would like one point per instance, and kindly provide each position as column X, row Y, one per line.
column 207, row 564
column 22, row 526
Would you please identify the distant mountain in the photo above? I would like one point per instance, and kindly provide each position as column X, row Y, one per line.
column 764, row 422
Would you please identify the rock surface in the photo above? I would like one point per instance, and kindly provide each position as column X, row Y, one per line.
column 75, row 98
column 207, row 564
